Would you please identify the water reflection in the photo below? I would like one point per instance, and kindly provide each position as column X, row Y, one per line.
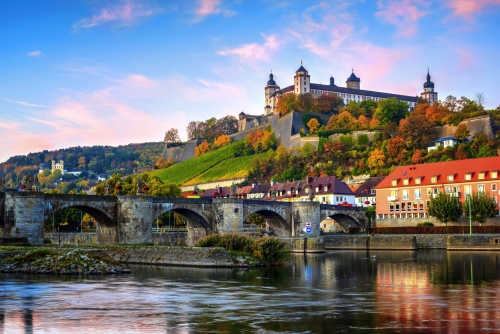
column 343, row 291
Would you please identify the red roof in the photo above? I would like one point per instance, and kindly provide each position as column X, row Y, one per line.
column 442, row 170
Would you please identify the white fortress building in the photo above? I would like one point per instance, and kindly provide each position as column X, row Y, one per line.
column 352, row 92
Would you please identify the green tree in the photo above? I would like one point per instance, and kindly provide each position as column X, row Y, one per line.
column 370, row 214
column 444, row 208
column 391, row 110
column 369, row 106
column 482, row 207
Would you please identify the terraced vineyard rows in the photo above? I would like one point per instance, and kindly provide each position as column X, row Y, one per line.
column 226, row 170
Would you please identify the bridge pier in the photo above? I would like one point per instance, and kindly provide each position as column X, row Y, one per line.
column 135, row 214
column 23, row 215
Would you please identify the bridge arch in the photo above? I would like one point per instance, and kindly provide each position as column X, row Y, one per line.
column 343, row 219
column 198, row 223
column 98, row 214
column 276, row 220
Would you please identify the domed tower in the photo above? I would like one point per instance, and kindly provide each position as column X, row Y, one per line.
column 429, row 94
column 332, row 82
column 302, row 81
column 270, row 100
column 353, row 81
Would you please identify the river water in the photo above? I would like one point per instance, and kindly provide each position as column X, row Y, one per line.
column 425, row 291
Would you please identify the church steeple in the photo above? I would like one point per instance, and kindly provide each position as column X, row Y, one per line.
column 429, row 94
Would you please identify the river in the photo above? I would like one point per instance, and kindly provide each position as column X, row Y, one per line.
column 425, row 291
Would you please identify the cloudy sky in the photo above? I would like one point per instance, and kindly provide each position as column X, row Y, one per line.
column 117, row 72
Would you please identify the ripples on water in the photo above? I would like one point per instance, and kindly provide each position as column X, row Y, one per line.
column 338, row 292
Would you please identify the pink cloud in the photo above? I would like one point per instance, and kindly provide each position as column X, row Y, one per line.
column 404, row 14
column 125, row 15
column 466, row 59
column 468, row 8
column 212, row 7
column 254, row 52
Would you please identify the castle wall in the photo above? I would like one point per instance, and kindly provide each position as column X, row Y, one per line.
column 181, row 153
column 480, row 124
column 355, row 134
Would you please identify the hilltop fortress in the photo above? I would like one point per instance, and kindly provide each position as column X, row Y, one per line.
column 287, row 127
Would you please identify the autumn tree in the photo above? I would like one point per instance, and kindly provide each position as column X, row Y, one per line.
column 81, row 162
column 287, row 103
column 313, row 125
column 201, row 149
column 164, row 163
column 306, row 102
column 172, row 136
column 416, row 158
column 369, row 106
column 462, row 133
column 452, row 104
column 391, row 110
column 327, row 103
column 354, row 109
column 344, row 120
column 261, row 140
column 416, row 130
column 396, row 150
column 376, row 159
column 221, row 141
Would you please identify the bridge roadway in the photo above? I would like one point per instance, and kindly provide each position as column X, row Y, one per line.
column 129, row 219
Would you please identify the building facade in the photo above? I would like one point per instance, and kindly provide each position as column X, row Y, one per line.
column 405, row 193
column 352, row 92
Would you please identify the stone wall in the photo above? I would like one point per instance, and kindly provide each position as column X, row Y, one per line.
column 355, row 134
column 480, row 124
column 170, row 239
column 371, row 242
column 212, row 185
column 305, row 245
column 178, row 256
column 135, row 215
column 475, row 242
column 181, row 153
column 72, row 238
column 24, row 212
column 399, row 222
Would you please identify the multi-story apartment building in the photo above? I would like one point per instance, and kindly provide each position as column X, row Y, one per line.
column 404, row 193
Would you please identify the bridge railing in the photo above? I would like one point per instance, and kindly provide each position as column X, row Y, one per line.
column 170, row 229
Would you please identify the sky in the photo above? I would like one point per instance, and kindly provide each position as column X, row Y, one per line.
column 97, row 72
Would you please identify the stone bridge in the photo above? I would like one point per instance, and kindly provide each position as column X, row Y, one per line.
column 129, row 219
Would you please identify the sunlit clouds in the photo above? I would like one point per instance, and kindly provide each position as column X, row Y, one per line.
column 467, row 9
column 254, row 51
column 404, row 14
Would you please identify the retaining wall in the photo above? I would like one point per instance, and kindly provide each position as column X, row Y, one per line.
column 178, row 256
column 371, row 242
column 475, row 242
column 305, row 245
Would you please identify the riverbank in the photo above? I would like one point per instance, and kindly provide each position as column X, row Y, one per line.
column 106, row 260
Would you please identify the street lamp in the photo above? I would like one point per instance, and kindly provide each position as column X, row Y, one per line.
column 470, row 214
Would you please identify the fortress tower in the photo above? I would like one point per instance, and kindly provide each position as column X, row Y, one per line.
column 302, row 81
column 353, row 81
column 271, row 87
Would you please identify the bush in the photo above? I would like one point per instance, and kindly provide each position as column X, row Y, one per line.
column 270, row 251
column 424, row 224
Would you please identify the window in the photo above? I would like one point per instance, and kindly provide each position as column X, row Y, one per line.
column 406, row 194
column 406, row 181
column 435, row 191
column 468, row 176
column 417, row 194
column 326, row 188
column 415, row 205
column 480, row 188
column 481, row 175
column 427, row 203
column 451, row 178
column 317, row 189
column 391, row 206
column 448, row 190
column 421, row 205
column 418, row 180
column 429, row 191
column 397, row 206
column 494, row 174
column 408, row 206
column 467, row 190
column 403, row 206
column 373, row 192
column 393, row 193
column 434, row 179
column 494, row 186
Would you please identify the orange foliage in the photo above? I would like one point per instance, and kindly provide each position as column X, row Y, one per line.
column 222, row 140
column 261, row 141
column 201, row 149
column 363, row 121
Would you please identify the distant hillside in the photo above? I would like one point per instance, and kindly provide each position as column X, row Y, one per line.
column 100, row 159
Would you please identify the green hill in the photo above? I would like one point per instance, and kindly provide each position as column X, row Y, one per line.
column 213, row 166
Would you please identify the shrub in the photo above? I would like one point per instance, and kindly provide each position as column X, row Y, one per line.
column 424, row 224
column 270, row 251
